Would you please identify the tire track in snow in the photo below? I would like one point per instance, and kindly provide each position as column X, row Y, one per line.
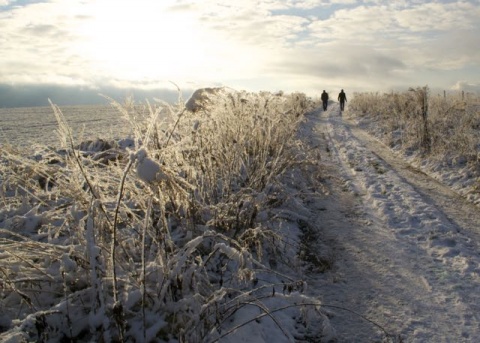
column 406, row 262
column 462, row 213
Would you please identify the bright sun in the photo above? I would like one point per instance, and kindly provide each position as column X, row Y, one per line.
column 147, row 41
column 143, row 40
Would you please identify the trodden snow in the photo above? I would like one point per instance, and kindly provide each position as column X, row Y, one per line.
column 405, row 246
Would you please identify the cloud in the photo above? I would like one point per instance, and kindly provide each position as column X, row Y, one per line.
column 363, row 63
column 466, row 86
column 36, row 44
column 423, row 35
column 309, row 70
column 250, row 43
column 437, row 17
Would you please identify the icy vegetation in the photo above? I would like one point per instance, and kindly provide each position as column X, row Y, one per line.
column 184, row 232
column 438, row 133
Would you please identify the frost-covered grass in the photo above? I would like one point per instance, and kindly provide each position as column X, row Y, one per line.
column 173, row 234
column 440, row 133
column 451, row 123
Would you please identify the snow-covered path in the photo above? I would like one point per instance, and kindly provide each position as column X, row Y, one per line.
column 406, row 248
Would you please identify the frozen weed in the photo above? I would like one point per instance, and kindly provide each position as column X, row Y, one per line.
column 442, row 127
column 160, row 241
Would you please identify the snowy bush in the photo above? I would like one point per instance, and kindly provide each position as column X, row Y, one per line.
column 163, row 236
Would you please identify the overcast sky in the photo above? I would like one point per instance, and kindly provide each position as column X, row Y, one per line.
column 290, row 45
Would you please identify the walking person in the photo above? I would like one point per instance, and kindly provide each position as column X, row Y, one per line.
column 342, row 97
column 324, row 100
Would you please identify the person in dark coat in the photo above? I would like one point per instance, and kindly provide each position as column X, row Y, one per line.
column 342, row 97
column 324, row 100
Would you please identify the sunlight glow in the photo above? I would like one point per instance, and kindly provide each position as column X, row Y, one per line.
column 149, row 41
column 139, row 41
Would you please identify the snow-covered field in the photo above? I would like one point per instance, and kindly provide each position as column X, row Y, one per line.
column 375, row 249
column 27, row 126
